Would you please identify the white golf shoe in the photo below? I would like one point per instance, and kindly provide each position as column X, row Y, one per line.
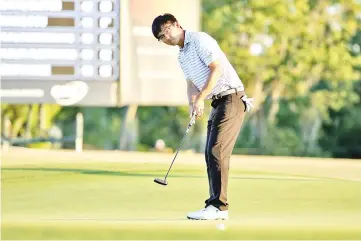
column 208, row 213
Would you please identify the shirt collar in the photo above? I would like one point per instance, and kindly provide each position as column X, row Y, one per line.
column 187, row 39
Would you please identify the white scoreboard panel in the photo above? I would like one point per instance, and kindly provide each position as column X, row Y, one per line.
column 59, row 50
column 87, row 52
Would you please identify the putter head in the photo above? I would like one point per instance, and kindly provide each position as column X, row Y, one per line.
column 161, row 182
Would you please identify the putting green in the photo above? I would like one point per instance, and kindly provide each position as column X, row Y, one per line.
column 69, row 196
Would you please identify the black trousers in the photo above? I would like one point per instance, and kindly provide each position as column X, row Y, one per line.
column 224, row 125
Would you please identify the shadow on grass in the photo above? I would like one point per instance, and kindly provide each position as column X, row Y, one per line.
column 155, row 173
column 79, row 171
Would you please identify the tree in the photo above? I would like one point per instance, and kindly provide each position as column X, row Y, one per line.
column 290, row 50
column 342, row 134
column 29, row 120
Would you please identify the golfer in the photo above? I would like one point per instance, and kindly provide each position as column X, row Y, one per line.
column 209, row 75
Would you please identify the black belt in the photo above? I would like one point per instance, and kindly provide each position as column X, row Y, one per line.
column 226, row 92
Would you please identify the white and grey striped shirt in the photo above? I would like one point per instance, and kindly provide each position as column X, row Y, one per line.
column 199, row 50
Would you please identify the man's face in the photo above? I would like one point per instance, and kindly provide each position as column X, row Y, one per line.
column 170, row 33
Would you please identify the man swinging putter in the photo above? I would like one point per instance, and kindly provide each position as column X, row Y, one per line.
column 209, row 75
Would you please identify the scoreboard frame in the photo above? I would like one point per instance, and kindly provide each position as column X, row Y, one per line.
column 143, row 71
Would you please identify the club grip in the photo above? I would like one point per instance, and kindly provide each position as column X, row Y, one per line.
column 193, row 120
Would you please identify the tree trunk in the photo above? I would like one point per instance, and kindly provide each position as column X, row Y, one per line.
column 262, row 128
column 29, row 121
column 129, row 130
column 312, row 141
column 275, row 106
column 42, row 119
column 311, row 126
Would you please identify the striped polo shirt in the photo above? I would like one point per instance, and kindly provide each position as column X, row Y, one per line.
column 199, row 50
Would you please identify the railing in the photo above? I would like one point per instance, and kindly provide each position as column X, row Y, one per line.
column 7, row 141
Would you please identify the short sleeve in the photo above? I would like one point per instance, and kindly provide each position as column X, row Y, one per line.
column 207, row 48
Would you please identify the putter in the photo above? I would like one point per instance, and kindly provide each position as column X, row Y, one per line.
column 164, row 181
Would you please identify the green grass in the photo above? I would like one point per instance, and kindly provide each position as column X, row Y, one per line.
column 97, row 200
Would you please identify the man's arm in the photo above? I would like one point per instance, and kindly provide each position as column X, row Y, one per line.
column 214, row 75
column 192, row 92
column 207, row 49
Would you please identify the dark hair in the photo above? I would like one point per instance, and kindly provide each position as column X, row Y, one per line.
column 159, row 21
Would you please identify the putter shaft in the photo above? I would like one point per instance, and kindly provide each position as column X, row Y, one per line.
column 192, row 121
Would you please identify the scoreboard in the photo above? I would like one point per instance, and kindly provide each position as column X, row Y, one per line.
column 58, row 50
column 89, row 52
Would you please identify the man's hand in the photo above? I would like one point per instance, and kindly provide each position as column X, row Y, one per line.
column 198, row 105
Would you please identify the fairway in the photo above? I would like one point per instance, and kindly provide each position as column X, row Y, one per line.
column 111, row 195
